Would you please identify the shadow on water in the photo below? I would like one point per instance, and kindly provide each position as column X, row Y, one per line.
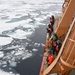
column 31, row 66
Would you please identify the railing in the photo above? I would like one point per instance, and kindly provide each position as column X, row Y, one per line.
column 68, row 56
column 61, row 50
column 65, row 4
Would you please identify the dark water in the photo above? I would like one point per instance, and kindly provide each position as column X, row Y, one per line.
column 31, row 66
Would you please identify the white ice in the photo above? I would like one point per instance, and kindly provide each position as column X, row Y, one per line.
column 5, row 73
column 13, row 47
column 20, row 34
column 36, row 44
column 27, row 56
column 42, row 44
column 13, row 64
column 1, row 54
column 5, row 40
column 34, row 49
column 19, row 53
column 6, row 26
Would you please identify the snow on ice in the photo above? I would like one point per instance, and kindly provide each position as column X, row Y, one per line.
column 5, row 40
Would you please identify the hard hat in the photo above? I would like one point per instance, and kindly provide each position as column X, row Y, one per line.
column 58, row 41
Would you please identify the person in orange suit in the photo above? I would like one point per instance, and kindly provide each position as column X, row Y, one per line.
column 50, row 58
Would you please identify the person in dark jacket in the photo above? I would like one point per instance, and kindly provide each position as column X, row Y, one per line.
column 49, row 30
column 54, row 44
column 52, row 20
column 58, row 46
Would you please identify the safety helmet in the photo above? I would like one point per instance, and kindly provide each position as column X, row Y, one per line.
column 58, row 41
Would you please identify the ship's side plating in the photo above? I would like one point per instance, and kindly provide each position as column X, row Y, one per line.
column 65, row 61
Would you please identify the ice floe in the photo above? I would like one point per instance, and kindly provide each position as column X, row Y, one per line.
column 34, row 14
column 20, row 34
column 5, row 40
column 5, row 73
column 42, row 44
column 12, row 47
column 19, row 53
column 13, row 63
column 39, row 19
column 4, row 66
column 4, row 26
column 36, row 44
column 1, row 54
column 27, row 56
column 34, row 49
